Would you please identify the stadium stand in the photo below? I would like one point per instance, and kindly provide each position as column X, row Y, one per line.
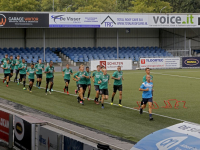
column 109, row 53
column 31, row 55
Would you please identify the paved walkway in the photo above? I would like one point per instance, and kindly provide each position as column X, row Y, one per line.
column 78, row 130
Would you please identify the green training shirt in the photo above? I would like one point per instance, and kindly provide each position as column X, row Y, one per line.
column 17, row 62
column 8, row 66
column 82, row 79
column 12, row 62
column 31, row 72
column 88, row 81
column 51, row 69
column 97, row 75
column 104, row 81
column 4, row 60
column 144, row 78
column 23, row 66
column 39, row 67
column 67, row 73
column 118, row 74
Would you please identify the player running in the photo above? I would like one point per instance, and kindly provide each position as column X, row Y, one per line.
column 12, row 63
column 88, row 82
column 7, row 68
column 118, row 77
column 4, row 60
column 22, row 72
column 147, row 88
column 104, row 80
column 31, row 76
column 147, row 70
column 95, row 78
column 17, row 62
column 39, row 68
column 76, row 91
column 66, row 74
column 49, row 77
column 53, row 77
column 82, row 76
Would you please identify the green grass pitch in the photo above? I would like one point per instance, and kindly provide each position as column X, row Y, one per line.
column 180, row 84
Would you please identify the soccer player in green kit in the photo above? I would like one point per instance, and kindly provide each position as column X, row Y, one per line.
column 147, row 70
column 88, row 82
column 95, row 78
column 22, row 72
column 104, row 80
column 17, row 62
column 7, row 68
column 76, row 91
column 66, row 74
column 12, row 62
column 4, row 60
column 49, row 76
column 31, row 76
column 118, row 77
column 39, row 68
column 82, row 76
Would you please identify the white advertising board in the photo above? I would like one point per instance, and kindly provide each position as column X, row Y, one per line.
column 159, row 63
column 112, row 64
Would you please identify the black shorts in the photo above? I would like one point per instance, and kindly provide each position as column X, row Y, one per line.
column 84, row 86
column 39, row 76
column 22, row 76
column 117, row 87
column 96, row 87
column 16, row 71
column 31, row 80
column 49, row 80
column 66, row 81
column 6, row 74
column 104, row 91
column 11, row 71
column 145, row 100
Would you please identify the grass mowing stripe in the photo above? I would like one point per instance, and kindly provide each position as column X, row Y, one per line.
column 118, row 106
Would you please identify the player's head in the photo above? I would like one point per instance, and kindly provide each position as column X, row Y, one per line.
column 98, row 67
column 8, row 61
column 67, row 66
column 104, row 71
column 18, row 57
column 87, row 69
column 23, row 60
column 147, row 70
column 6, row 56
column 40, row 61
column 51, row 63
column 82, row 67
column 32, row 65
column 11, row 57
column 119, row 68
column 148, row 78
column 102, row 68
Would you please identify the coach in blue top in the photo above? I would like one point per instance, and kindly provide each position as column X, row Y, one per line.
column 147, row 88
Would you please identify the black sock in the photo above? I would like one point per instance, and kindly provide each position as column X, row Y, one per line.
column 39, row 84
column 96, row 99
column 67, row 88
column 24, row 83
column 88, row 95
column 120, row 101
column 112, row 99
column 102, row 104
column 83, row 94
column 7, row 83
column 52, row 86
column 31, row 88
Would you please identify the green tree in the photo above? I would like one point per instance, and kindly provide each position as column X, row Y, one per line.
column 123, row 5
column 96, row 6
column 19, row 5
column 150, row 6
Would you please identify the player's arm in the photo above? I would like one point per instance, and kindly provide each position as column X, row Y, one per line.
column 43, row 68
column 20, row 67
column 71, row 72
column 114, row 77
column 99, row 82
column 142, row 88
column 109, row 80
column 4, row 67
column 86, row 76
column 93, row 76
column 47, row 71
column 27, row 72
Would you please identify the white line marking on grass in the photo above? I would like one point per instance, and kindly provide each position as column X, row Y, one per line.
column 176, row 75
column 118, row 106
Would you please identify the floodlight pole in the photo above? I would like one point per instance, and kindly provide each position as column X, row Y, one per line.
column 44, row 42
column 117, row 46
column 53, row 5
column 162, row 9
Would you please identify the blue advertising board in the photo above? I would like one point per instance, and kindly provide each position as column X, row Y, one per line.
column 191, row 62
column 182, row 136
